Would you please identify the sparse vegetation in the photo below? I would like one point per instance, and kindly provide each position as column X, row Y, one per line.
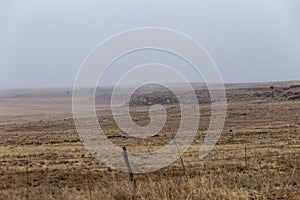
column 257, row 157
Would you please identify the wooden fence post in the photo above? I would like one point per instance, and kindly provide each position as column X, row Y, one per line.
column 27, row 179
column 245, row 156
column 125, row 155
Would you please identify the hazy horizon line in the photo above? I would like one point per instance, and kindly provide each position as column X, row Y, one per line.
column 131, row 85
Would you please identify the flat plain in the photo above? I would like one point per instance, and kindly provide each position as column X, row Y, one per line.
column 256, row 157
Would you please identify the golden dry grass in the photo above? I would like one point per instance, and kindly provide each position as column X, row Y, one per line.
column 59, row 167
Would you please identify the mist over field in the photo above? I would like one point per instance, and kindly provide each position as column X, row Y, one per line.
column 151, row 125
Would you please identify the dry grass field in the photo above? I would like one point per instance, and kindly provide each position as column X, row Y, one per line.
column 257, row 156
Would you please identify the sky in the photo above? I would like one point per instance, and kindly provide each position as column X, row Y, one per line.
column 43, row 43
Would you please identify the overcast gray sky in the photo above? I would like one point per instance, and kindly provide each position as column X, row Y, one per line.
column 43, row 43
